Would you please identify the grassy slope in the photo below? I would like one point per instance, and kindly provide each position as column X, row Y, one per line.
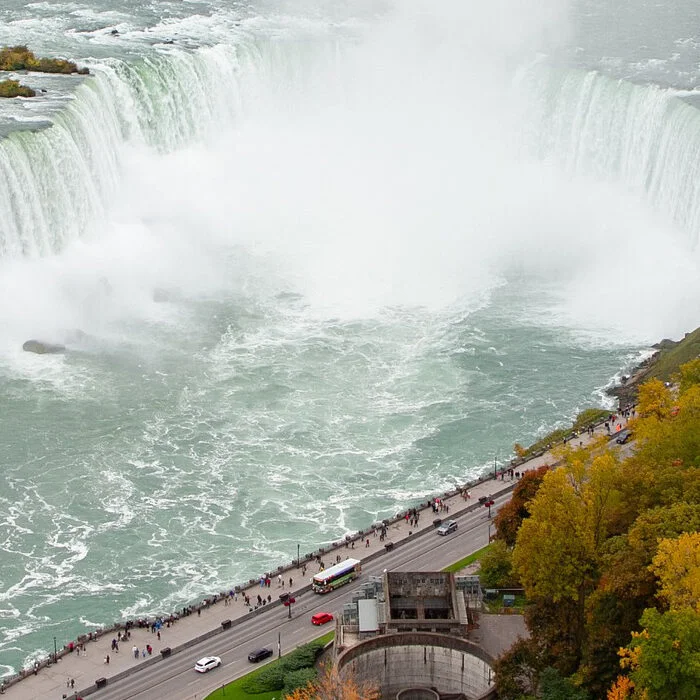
column 467, row 560
column 670, row 360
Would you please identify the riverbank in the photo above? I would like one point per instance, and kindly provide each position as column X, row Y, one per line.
column 83, row 660
column 663, row 364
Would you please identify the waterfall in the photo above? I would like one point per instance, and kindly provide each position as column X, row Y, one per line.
column 644, row 136
column 59, row 181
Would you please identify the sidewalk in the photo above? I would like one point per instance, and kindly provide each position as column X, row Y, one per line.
column 53, row 681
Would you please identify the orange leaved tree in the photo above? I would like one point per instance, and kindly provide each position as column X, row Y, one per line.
column 330, row 685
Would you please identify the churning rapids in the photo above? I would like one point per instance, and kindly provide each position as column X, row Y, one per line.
column 325, row 259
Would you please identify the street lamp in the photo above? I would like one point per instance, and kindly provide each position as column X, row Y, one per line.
column 495, row 470
column 298, row 556
column 55, row 651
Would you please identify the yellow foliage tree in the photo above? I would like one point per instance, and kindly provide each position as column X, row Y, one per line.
column 553, row 554
column 330, row 685
column 519, row 450
column 558, row 547
column 689, row 375
column 677, row 566
column 654, row 399
column 621, row 689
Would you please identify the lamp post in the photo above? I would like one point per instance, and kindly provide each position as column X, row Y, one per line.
column 298, row 556
column 55, row 651
column 495, row 470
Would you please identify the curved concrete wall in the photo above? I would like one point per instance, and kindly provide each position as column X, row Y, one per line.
column 414, row 659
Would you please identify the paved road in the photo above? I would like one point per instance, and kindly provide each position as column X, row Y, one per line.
column 174, row 677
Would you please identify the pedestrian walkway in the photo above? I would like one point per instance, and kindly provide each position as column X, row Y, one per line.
column 84, row 667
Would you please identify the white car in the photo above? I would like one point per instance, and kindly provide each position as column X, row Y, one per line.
column 207, row 663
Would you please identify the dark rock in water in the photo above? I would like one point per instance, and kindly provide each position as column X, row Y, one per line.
column 42, row 348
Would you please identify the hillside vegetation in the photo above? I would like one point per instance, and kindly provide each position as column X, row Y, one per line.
column 607, row 548
column 663, row 365
column 12, row 88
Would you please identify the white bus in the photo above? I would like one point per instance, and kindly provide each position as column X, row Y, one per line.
column 329, row 579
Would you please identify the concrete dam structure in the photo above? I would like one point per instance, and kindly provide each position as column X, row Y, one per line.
column 450, row 666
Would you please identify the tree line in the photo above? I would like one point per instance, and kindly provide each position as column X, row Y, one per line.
column 607, row 549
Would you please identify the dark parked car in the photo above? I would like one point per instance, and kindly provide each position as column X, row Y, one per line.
column 623, row 436
column 259, row 655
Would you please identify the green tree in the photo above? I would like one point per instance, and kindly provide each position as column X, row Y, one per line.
column 556, row 630
column 496, row 570
column 518, row 670
column 553, row 686
column 664, row 659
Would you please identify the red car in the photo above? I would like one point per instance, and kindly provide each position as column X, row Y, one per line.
column 321, row 618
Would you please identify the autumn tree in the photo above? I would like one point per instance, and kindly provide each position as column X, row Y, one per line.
column 511, row 514
column 626, row 587
column 677, row 566
column 557, row 548
column 332, row 685
column 621, row 689
column 689, row 375
column 603, row 540
column 654, row 399
column 672, row 442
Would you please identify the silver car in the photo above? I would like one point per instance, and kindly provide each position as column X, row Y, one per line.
column 447, row 528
